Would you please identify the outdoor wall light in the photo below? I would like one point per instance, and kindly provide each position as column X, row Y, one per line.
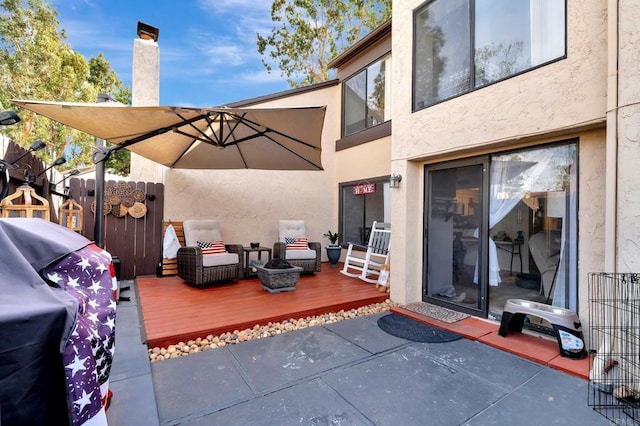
column 58, row 161
column 68, row 175
column 52, row 186
column 36, row 146
column 394, row 180
column 8, row 118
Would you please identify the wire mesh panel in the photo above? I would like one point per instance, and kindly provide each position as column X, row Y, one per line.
column 614, row 346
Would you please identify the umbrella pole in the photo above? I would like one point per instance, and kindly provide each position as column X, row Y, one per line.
column 98, row 229
column 100, row 157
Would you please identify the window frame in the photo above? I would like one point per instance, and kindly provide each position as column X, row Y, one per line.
column 364, row 69
column 382, row 180
column 472, row 3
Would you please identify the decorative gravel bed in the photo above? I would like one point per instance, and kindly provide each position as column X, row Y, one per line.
column 260, row 331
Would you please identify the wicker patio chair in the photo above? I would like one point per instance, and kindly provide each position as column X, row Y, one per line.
column 308, row 258
column 200, row 269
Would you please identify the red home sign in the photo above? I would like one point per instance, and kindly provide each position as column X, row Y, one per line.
column 365, row 188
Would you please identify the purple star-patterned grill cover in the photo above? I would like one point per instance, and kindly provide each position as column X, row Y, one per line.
column 57, row 325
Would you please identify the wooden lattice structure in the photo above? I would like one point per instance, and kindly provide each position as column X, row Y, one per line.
column 25, row 203
column 70, row 215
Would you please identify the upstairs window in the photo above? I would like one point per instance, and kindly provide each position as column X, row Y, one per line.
column 462, row 45
column 365, row 98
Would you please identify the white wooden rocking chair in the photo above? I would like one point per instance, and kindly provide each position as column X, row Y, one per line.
column 366, row 264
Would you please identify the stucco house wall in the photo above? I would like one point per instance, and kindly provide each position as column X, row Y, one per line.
column 562, row 100
column 364, row 161
column 625, row 124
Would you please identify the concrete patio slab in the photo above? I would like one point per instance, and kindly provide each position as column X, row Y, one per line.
column 198, row 384
column 365, row 333
column 131, row 357
column 308, row 403
column 411, row 387
column 282, row 360
column 503, row 369
column 134, row 400
column 549, row 398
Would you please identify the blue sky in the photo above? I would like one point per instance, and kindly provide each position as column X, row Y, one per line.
column 208, row 54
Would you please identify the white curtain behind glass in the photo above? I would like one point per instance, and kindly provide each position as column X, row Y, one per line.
column 504, row 196
column 547, row 30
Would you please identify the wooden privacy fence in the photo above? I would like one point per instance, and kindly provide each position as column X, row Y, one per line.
column 132, row 222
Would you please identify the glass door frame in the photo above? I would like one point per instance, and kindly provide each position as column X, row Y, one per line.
column 483, row 264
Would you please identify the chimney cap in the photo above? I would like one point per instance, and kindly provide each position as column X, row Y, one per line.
column 147, row 32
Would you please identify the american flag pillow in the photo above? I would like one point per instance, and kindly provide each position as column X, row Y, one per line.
column 298, row 243
column 213, row 247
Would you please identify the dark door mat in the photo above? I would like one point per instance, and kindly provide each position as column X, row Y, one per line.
column 406, row 328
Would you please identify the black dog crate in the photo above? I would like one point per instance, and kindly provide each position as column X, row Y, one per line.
column 614, row 346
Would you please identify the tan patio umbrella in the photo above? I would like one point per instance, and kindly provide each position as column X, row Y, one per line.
column 195, row 138
column 200, row 138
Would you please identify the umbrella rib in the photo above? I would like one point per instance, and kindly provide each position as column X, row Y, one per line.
column 205, row 138
column 155, row 132
column 250, row 124
column 231, row 135
column 216, row 140
column 246, row 138
column 232, row 129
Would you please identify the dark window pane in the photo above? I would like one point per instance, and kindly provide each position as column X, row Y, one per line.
column 509, row 36
column 352, row 215
column 376, row 94
column 365, row 96
column 355, row 112
column 502, row 40
column 374, row 211
column 359, row 212
column 442, row 46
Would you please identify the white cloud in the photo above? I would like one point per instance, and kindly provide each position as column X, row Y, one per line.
column 226, row 54
column 262, row 76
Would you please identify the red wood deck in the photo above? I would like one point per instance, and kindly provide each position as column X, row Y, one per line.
column 174, row 312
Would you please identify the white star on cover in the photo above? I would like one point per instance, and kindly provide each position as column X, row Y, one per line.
column 86, row 276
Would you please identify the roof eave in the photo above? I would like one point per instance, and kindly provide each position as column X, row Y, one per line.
column 374, row 36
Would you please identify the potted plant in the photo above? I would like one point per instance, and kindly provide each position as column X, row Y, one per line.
column 334, row 249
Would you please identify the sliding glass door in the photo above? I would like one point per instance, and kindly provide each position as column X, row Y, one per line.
column 502, row 227
column 454, row 212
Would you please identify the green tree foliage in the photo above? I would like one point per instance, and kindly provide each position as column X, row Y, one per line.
column 308, row 34
column 36, row 62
